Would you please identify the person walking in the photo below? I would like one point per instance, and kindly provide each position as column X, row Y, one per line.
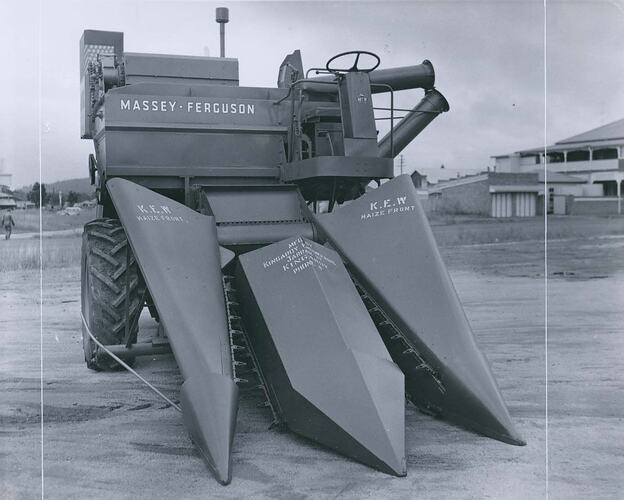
column 8, row 223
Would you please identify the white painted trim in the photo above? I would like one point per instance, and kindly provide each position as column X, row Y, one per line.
column 595, row 198
column 517, row 188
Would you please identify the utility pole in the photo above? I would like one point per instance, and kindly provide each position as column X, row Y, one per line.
column 401, row 164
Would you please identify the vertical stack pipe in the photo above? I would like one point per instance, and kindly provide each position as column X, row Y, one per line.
column 222, row 17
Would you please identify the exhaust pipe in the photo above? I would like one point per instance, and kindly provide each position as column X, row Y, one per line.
column 420, row 76
column 222, row 17
column 413, row 124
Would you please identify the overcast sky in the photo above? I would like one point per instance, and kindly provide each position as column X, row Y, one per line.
column 488, row 56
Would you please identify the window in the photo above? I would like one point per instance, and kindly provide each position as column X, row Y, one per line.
column 578, row 155
column 605, row 154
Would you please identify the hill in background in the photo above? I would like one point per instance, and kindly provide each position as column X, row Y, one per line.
column 80, row 186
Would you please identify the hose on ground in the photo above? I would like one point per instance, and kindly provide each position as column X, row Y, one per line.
column 125, row 365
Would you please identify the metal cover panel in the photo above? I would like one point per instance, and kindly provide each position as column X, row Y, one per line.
column 358, row 119
column 338, row 166
column 328, row 370
column 139, row 148
column 205, row 89
column 385, row 239
column 186, row 278
column 205, row 68
column 177, row 252
column 140, row 109
column 254, row 204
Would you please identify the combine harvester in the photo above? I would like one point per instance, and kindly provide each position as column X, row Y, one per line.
column 243, row 218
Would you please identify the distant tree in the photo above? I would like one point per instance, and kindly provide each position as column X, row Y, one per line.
column 52, row 198
column 34, row 194
column 72, row 197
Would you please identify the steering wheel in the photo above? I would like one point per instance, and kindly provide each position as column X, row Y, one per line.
column 354, row 68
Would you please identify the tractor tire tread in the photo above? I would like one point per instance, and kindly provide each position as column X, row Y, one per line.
column 105, row 282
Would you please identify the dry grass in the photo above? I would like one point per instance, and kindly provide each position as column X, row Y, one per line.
column 27, row 221
column 23, row 254
column 464, row 230
column 59, row 251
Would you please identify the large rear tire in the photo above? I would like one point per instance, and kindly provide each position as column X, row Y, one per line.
column 108, row 286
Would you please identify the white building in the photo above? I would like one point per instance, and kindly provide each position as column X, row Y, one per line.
column 595, row 156
column 6, row 201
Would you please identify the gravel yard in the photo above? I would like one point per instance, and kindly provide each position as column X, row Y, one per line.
column 107, row 436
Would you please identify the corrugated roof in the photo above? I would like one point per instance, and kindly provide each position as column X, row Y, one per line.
column 558, row 147
column 611, row 134
column 610, row 131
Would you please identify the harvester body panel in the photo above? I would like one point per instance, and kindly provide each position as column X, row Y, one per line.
column 157, row 134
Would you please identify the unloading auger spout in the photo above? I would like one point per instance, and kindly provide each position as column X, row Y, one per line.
column 243, row 219
column 406, row 130
column 419, row 76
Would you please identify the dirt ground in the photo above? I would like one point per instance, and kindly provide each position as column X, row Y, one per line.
column 107, row 436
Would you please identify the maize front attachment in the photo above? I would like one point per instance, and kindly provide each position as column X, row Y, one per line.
column 265, row 231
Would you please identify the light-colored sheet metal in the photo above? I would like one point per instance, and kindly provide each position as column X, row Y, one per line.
column 329, row 375
column 180, row 260
column 385, row 239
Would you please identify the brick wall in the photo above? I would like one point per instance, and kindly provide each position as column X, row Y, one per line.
column 594, row 206
column 512, row 179
column 472, row 198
